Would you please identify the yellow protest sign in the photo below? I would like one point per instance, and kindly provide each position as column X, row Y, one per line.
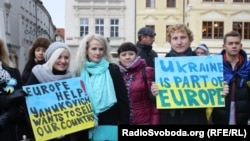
column 189, row 82
column 58, row 108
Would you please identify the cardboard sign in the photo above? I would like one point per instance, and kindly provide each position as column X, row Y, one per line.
column 58, row 108
column 189, row 82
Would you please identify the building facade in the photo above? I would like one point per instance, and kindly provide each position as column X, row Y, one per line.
column 59, row 34
column 208, row 19
column 119, row 20
column 114, row 19
column 22, row 21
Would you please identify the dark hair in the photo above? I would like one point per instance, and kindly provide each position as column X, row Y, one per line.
column 39, row 42
column 231, row 34
column 127, row 46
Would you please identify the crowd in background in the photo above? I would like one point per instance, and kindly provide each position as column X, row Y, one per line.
column 122, row 92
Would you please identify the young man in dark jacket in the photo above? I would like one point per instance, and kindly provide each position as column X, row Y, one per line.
column 180, row 38
column 236, row 69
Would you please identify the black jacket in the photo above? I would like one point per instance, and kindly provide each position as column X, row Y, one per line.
column 147, row 53
column 238, row 89
column 13, row 114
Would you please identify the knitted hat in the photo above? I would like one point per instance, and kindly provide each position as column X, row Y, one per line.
column 52, row 47
column 146, row 31
column 203, row 47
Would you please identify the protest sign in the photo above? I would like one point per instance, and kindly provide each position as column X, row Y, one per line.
column 189, row 82
column 58, row 108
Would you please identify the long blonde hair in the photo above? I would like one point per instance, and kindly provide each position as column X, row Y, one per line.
column 81, row 54
column 4, row 54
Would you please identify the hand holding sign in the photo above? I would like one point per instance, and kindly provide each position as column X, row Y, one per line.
column 225, row 89
column 58, row 108
column 189, row 82
column 154, row 89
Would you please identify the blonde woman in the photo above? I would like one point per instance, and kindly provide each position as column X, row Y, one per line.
column 57, row 58
column 12, row 115
column 104, row 84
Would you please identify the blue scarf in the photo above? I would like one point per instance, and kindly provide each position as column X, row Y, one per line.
column 243, row 72
column 229, row 74
column 99, row 85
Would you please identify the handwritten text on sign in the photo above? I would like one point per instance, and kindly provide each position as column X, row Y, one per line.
column 189, row 82
column 58, row 108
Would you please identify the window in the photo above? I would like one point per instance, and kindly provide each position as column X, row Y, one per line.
column 84, row 27
column 246, row 30
column 237, row 26
column 171, row 3
column 114, row 28
column 7, row 23
column 99, row 26
column 212, row 30
column 26, row 36
column 243, row 28
column 150, row 3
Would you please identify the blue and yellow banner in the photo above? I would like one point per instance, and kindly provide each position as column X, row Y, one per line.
column 58, row 108
column 189, row 82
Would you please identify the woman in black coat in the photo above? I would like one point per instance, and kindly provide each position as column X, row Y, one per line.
column 13, row 119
